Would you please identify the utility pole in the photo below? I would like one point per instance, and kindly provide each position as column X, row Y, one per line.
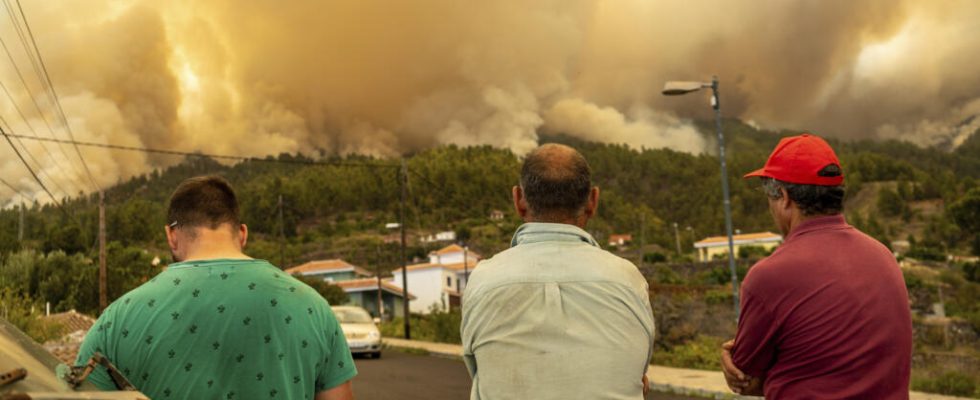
column 466, row 267
column 282, row 237
column 377, row 273
column 20, row 227
column 677, row 238
column 103, row 290
column 403, row 180
column 643, row 238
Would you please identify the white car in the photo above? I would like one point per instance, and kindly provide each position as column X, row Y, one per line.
column 363, row 336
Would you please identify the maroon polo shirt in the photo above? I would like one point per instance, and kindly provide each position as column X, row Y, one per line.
column 826, row 316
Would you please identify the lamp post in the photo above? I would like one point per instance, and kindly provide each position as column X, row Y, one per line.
column 677, row 88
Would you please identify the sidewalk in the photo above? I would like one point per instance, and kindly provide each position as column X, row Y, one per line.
column 692, row 382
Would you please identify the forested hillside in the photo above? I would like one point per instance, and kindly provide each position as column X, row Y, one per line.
column 339, row 208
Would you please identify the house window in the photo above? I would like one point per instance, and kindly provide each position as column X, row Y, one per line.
column 449, row 282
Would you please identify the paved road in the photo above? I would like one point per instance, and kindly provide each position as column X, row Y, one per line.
column 405, row 376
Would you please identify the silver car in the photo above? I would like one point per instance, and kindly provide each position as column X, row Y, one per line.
column 363, row 336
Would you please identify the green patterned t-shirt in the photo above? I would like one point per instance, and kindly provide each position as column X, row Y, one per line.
column 229, row 329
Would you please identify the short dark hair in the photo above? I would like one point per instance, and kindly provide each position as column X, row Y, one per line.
column 204, row 201
column 556, row 185
column 811, row 199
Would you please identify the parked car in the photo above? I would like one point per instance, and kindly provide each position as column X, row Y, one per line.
column 363, row 336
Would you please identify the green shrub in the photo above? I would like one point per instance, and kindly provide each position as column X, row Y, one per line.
column 437, row 326
column 716, row 296
column 24, row 313
column 655, row 257
column 702, row 352
column 952, row 383
column 972, row 271
column 666, row 276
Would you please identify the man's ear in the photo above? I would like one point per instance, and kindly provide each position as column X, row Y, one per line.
column 592, row 206
column 171, row 237
column 785, row 203
column 520, row 203
column 242, row 235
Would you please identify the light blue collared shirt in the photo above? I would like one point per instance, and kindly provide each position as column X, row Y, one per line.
column 555, row 316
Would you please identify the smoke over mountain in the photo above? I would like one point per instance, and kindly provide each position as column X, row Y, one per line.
column 385, row 77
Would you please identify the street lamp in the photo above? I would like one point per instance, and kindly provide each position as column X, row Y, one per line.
column 677, row 88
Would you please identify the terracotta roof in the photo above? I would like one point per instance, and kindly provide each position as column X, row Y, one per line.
column 626, row 237
column 453, row 248
column 313, row 267
column 74, row 326
column 358, row 285
column 453, row 267
column 740, row 239
column 71, row 321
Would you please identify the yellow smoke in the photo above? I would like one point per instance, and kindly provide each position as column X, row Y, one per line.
column 384, row 77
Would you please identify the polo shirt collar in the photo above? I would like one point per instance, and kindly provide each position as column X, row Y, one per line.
column 535, row 232
column 819, row 223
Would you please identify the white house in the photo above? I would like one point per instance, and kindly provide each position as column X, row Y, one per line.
column 438, row 283
column 717, row 246
column 444, row 236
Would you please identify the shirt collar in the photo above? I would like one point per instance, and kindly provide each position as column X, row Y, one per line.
column 819, row 223
column 534, row 232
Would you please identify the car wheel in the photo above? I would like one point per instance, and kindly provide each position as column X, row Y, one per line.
column 376, row 355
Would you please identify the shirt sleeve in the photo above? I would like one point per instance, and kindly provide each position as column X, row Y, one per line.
column 466, row 331
column 339, row 365
column 755, row 342
column 96, row 341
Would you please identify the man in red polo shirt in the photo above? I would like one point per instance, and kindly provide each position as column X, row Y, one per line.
column 826, row 316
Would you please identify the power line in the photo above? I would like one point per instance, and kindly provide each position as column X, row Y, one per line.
column 53, row 93
column 204, row 155
column 5, row 183
column 4, row 133
column 30, row 94
column 35, row 161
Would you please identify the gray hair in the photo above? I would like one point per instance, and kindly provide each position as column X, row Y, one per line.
column 811, row 199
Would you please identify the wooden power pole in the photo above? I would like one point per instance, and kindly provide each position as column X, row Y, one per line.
column 20, row 227
column 403, row 179
column 282, row 237
column 103, row 290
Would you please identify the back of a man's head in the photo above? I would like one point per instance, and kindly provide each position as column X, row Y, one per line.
column 556, row 181
column 203, row 202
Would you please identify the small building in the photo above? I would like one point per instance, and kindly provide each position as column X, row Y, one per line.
column 364, row 293
column 444, row 236
column 439, row 283
column 72, row 327
column 360, row 285
column 717, row 246
column 496, row 215
column 335, row 270
column 617, row 240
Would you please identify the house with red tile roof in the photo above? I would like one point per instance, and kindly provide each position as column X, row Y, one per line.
column 438, row 284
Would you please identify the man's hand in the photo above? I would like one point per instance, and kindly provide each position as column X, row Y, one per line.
column 646, row 385
column 737, row 380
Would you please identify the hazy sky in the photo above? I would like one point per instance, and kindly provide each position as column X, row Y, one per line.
column 382, row 77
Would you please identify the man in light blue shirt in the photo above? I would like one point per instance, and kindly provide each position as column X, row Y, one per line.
column 555, row 316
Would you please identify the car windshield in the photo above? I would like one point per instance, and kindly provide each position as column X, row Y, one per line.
column 352, row 316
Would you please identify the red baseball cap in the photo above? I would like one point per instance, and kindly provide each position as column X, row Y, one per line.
column 805, row 160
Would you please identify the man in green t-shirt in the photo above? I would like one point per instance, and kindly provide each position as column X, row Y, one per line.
column 219, row 324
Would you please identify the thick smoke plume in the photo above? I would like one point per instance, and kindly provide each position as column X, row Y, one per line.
column 385, row 77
